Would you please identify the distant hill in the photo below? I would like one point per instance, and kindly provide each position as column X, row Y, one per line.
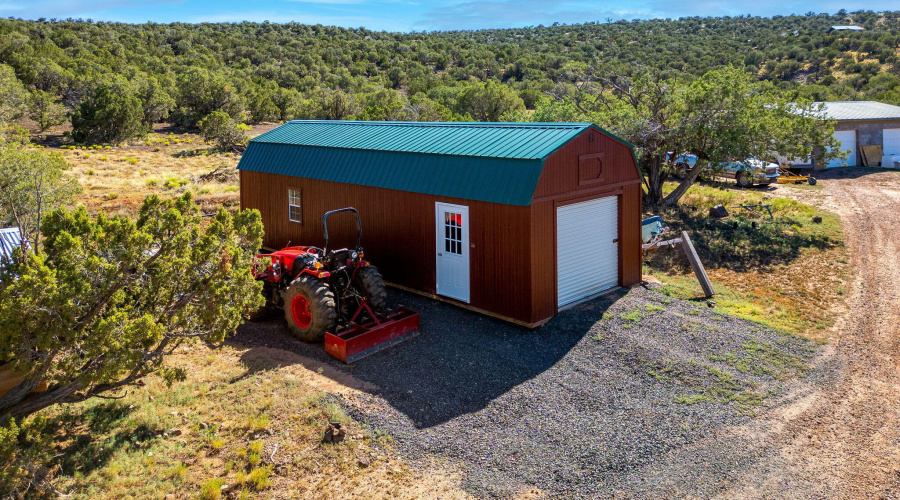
column 270, row 72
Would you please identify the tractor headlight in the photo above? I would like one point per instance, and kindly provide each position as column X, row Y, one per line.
column 354, row 255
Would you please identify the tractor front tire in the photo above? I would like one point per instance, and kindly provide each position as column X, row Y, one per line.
column 309, row 309
column 811, row 181
column 371, row 284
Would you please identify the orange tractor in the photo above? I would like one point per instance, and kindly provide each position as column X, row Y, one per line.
column 333, row 295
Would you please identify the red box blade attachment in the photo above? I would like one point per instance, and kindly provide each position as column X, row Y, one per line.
column 360, row 341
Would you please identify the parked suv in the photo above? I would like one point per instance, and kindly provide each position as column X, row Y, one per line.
column 745, row 174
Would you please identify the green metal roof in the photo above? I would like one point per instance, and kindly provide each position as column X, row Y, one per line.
column 493, row 162
column 531, row 141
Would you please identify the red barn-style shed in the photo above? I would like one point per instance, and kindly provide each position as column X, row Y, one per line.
column 516, row 220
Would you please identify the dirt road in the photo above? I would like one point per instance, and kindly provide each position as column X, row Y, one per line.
column 843, row 440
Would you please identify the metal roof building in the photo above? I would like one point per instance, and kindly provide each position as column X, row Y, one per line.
column 10, row 239
column 863, row 124
column 503, row 160
column 511, row 219
column 845, row 28
column 859, row 110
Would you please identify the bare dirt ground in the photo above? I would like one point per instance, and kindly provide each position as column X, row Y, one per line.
column 842, row 440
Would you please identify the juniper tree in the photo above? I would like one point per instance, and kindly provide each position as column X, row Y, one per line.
column 106, row 299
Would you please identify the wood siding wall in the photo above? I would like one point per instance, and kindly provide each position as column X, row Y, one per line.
column 513, row 253
column 564, row 181
column 399, row 235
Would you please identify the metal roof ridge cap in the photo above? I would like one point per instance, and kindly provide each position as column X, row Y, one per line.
column 519, row 158
column 528, row 125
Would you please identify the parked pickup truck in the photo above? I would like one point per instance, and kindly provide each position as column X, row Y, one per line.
column 745, row 174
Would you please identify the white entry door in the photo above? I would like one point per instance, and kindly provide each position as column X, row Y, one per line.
column 452, row 229
column 587, row 248
column 847, row 138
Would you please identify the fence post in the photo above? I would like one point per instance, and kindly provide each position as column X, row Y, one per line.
column 694, row 259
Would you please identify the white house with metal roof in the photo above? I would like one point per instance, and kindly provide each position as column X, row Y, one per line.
column 845, row 28
column 862, row 123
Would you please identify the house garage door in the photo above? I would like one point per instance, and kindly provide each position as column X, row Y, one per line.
column 587, row 248
column 891, row 141
column 847, row 139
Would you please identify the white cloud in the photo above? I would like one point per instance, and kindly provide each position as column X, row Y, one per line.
column 77, row 8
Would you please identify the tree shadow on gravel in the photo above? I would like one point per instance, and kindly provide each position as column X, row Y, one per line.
column 459, row 362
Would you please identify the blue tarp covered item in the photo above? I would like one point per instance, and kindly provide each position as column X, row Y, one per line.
column 650, row 228
column 10, row 239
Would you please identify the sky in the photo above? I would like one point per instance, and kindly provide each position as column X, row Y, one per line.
column 416, row 15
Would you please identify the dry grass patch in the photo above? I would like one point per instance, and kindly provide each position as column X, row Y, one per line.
column 229, row 431
column 118, row 179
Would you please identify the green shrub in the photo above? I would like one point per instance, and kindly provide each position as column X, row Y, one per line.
column 174, row 183
column 224, row 130
column 212, row 489
column 259, row 478
column 109, row 113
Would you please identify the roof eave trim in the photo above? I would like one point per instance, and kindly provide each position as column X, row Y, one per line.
column 897, row 118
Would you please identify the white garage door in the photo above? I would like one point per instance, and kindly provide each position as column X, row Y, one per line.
column 847, row 138
column 891, row 141
column 587, row 248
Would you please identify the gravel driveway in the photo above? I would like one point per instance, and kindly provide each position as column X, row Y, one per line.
column 632, row 395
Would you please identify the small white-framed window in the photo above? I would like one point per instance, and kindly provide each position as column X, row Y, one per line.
column 294, row 213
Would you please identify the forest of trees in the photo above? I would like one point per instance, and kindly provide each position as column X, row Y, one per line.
column 114, row 80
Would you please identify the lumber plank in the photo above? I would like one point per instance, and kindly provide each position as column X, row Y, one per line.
column 688, row 247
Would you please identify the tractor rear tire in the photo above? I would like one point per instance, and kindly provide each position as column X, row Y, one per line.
column 811, row 181
column 742, row 179
column 371, row 284
column 309, row 309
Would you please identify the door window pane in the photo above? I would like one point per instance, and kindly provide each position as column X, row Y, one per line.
column 453, row 233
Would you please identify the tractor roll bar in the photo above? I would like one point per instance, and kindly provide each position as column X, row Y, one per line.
column 358, row 227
